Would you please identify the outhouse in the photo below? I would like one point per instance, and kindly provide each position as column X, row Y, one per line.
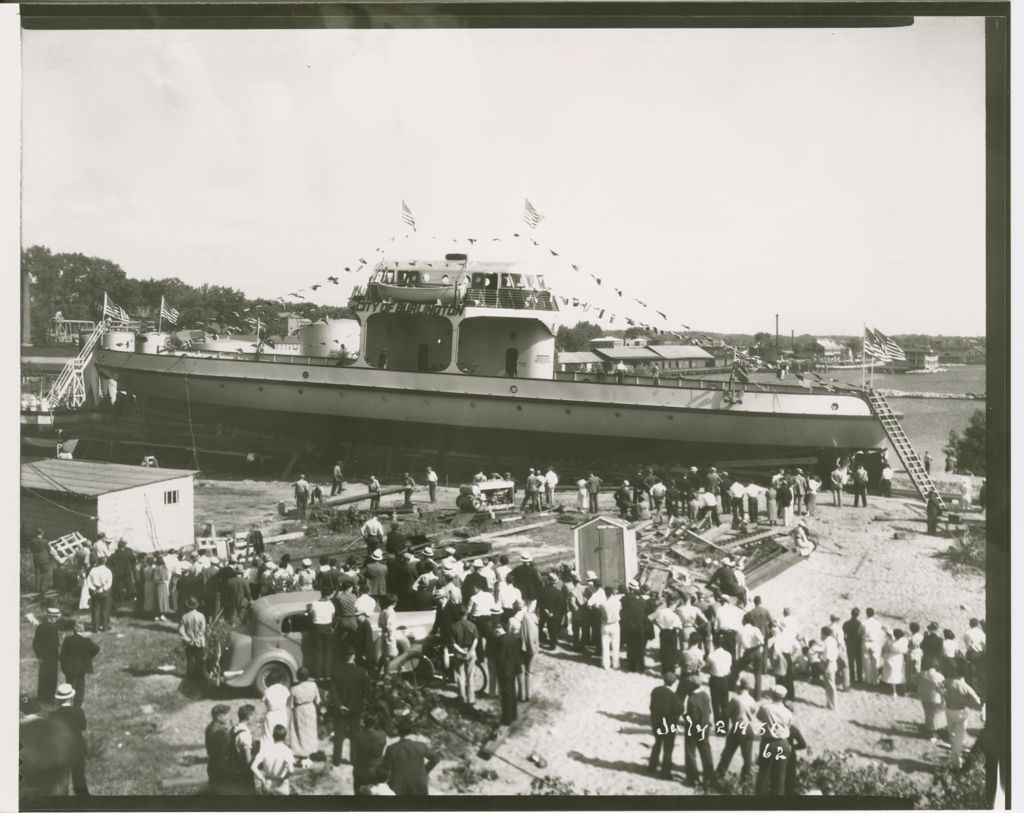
column 606, row 545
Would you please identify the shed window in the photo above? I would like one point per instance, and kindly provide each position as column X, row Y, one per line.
column 171, row 497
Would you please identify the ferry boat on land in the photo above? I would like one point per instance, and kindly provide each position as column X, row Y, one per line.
column 460, row 353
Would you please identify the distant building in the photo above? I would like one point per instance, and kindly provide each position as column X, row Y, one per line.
column 632, row 357
column 682, row 356
column 288, row 323
column 922, row 359
column 829, row 350
column 582, row 362
column 636, row 341
column 601, row 342
column 150, row 508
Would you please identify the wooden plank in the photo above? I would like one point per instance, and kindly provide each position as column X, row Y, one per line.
column 354, row 498
column 510, row 531
column 698, row 538
column 274, row 540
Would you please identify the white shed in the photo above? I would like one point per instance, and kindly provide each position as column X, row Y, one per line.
column 606, row 545
column 151, row 508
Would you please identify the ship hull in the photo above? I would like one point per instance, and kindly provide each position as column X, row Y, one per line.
column 537, row 413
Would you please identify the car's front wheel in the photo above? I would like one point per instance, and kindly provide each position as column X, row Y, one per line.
column 270, row 673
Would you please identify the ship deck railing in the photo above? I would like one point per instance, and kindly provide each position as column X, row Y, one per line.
column 502, row 299
column 665, row 382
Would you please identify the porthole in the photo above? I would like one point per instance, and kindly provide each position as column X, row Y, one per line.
column 305, row 375
column 670, row 417
column 513, row 389
column 835, row 407
column 568, row 412
column 473, row 404
column 512, row 335
column 222, row 386
column 300, row 391
column 261, row 389
column 618, row 414
column 519, row 407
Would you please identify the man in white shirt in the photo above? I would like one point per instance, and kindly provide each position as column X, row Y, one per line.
column 321, row 613
column 594, row 601
column 99, row 582
column 885, row 483
column 719, row 666
column 365, row 604
column 481, row 603
column 507, row 597
column 550, row 481
column 373, row 534
column 274, row 764
column 658, row 491
column 737, row 493
column 830, row 658
column 708, row 504
column 754, row 494
column 728, row 620
column 100, row 547
column 873, row 640
column 974, row 638
column 610, row 632
column 431, row 478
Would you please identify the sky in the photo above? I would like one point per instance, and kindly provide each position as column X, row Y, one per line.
column 835, row 177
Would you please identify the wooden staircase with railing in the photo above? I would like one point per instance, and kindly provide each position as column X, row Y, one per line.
column 69, row 388
column 901, row 443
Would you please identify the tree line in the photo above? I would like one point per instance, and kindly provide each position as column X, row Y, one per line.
column 73, row 285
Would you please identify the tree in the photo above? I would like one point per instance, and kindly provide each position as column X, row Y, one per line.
column 970, row 447
column 576, row 338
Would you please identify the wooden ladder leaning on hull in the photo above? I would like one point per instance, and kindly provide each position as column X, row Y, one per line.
column 894, row 430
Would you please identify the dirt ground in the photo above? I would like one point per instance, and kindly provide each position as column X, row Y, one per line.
column 590, row 726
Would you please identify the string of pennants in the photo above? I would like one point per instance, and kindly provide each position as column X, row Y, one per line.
column 532, row 218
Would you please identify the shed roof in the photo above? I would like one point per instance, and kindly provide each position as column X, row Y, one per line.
column 627, row 353
column 602, row 518
column 680, row 351
column 90, row 479
column 828, row 344
column 581, row 357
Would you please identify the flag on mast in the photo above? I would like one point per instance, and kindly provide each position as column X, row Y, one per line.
column 168, row 313
column 879, row 346
column 114, row 312
column 531, row 217
column 894, row 351
column 407, row 217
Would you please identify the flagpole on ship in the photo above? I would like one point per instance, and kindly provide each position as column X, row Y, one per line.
column 863, row 352
column 160, row 318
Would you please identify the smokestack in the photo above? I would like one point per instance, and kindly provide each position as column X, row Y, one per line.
column 776, row 331
column 792, row 340
column 26, row 308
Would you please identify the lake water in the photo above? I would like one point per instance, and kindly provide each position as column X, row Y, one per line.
column 927, row 421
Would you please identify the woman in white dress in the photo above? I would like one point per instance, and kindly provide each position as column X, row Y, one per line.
column 894, row 660
column 276, row 699
column 582, row 498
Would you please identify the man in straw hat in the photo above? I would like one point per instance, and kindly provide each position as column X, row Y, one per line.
column 71, row 718
column 46, row 646
column 76, row 656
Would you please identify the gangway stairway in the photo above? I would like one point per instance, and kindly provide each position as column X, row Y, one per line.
column 901, row 443
column 69, row 388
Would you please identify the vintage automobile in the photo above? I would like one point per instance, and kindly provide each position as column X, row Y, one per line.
column 488, row 494
column 274, row 640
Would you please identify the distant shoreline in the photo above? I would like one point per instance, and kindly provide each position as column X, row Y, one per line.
column 959, row 396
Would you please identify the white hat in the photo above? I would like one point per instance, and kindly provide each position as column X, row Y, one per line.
column 448, row 563
column 307, row 562
column 428, row 551
column 53, row 611
column 693, row 468
column 186, row 565
column 633, row 584
column 64, row 692
column 325, row 568
column 450, row 550
column 526, row 557
column 214, row 560
column 478, row 564
column 591, row 576
column 779, row 691
column 377, row 555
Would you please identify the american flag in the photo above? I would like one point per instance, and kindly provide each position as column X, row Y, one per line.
column 531, row 217
column 881, row 347
column 894, row 351
column 168, row 313
column 407, row 217
column 114, row 312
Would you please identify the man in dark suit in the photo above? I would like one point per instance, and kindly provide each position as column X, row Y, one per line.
column 853, row 634
column 76, row 656
column 633, row 625
column 666, row 709
column 408, row 761
column 219, row 742
column 236, row 595
column 46, row 645
column 349, row 685
column 396, row 541
column 699, row 721
column 526, row 579
column 70, row 720
column 551, row 609
column 761, row 618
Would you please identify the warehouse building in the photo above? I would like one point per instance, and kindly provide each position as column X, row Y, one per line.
column 151, row 508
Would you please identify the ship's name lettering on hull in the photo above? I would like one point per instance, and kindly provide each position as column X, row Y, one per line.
column 428, row 308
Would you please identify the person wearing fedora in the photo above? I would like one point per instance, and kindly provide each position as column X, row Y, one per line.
column 192, row 629
column 76, row 656
column 775, row 747
column 527, row 579
column 46, row 646
column 70, row 716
